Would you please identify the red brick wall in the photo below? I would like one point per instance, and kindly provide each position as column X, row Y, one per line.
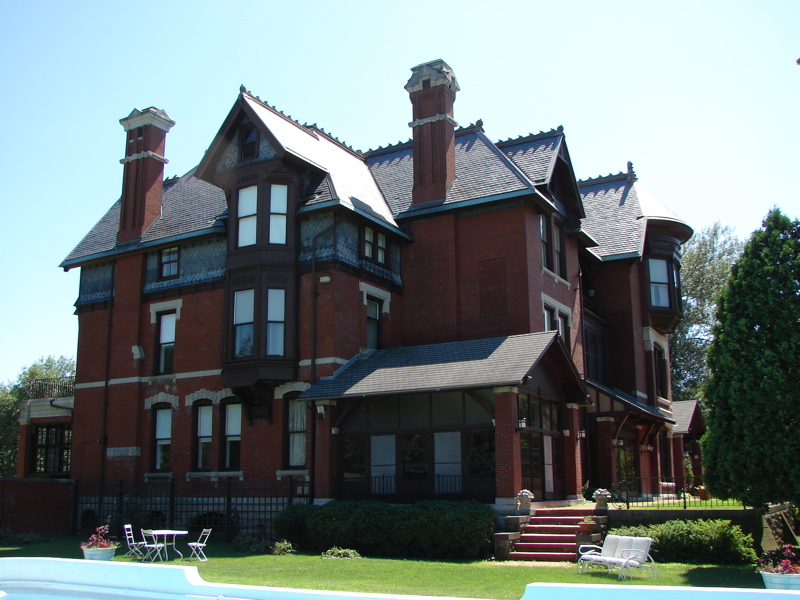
column 28, row 506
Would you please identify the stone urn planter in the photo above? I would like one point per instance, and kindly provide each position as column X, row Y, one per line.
column 781, row 581
column 99, row 553
column 586, row 527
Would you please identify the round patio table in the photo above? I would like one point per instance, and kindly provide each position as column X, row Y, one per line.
column 166, row 534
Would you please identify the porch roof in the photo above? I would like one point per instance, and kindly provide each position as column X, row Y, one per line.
column 631, row 402
column 489, row 362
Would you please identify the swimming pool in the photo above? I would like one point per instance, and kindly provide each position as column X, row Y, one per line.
column 70, row 579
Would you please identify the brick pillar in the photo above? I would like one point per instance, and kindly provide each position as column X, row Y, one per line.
column 508, row 471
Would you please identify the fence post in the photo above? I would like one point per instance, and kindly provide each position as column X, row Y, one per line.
column 228, row 510
column 120, row 501
column 171, row 506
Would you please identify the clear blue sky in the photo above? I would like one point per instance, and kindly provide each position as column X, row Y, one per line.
column 702, row 96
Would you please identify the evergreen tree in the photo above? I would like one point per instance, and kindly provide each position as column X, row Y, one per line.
column 752, row 448
column 13, row 394
column 706, row 264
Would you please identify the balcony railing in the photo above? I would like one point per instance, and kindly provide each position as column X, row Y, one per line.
column 57, row 387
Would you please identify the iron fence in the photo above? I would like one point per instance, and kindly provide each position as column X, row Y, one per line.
column 663, row 492
column 228, row 507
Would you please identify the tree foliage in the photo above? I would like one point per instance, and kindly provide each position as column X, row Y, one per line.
column 752, row 446
column 707, row 260
column 14, row 393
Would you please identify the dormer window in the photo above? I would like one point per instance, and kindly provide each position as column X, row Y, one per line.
column 374, row 247
column 168, row 263
column 248, row 143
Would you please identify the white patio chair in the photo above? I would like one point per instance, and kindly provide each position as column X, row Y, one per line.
column 134, row 547
column 198, row 546
column 153, row 548
column 623, row 552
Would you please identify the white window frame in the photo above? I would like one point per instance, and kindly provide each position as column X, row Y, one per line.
column 247, row 216
column 278, row 213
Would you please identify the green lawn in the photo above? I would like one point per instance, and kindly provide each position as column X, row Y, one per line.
column 479, row 579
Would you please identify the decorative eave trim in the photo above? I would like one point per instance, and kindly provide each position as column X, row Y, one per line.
column 145, row 154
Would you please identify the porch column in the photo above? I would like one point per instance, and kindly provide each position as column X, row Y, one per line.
column 573, row 473
column 508, row 468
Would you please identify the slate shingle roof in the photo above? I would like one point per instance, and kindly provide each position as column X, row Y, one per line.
column 632, row 402
column 189, row 207
column 482, row 169
column 618, row 208
column 683, row 412
column 534, row 154
column 453, row 365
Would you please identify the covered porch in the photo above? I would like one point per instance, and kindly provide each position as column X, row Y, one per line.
column 478, row 419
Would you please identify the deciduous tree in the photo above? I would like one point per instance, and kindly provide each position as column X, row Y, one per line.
column 752, row 446
column 705, row 266
column 12, row 394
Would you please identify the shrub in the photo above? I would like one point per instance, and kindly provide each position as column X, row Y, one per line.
column 434, row 529
column 337, row 552
column 715, row 542
column 282, row 547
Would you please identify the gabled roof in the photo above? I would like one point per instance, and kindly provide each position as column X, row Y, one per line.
column 190, row 207
column 347, row 180
column 618, row 211
column 688, row 417
column 449, row 366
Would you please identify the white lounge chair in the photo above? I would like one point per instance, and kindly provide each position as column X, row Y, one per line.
column 198, row 546
column 623, row 552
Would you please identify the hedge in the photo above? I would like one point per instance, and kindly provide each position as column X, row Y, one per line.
column 433, row 529
column 715, row 542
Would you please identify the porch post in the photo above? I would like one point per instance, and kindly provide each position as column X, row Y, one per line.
column 508, row 469
column 573, row 473
column 323, row 414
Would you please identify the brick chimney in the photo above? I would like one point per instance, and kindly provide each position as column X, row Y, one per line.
column 143, row 173
column 432, row 91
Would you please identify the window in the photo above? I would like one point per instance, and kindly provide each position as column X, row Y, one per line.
column 664, row 283
column 278, row 207
column 661, row 370
column 563, row 327
column 550, row 318
column 415, row 455
column 204, row 415
column 248, row 143
column 233, row 436
column 166, row 342
column 374, row 308
column 169, row 263
column 247, row 210
column 375, row 246
column 297, row 433
column 594, row 347
column 243, row 305
column 547, row 249
column 163, row 436
column 559, row 255
column 52, row 450
column 276, row 321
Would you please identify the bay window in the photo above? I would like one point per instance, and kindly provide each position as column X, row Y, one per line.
column 664, row 283
column 276, row 321
column 278, row 208
column 243, row 313
column 247, row 211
